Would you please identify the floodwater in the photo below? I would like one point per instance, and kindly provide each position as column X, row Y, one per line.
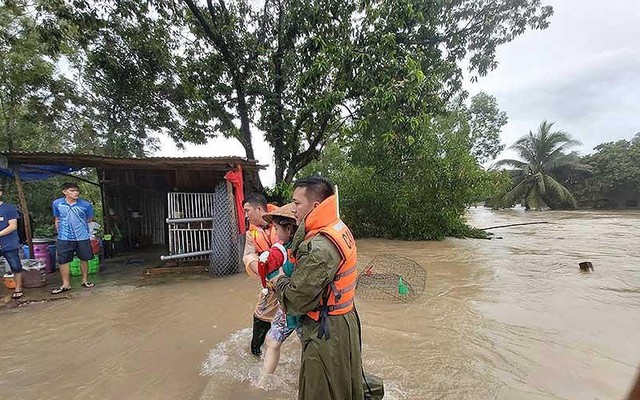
column 509, row 318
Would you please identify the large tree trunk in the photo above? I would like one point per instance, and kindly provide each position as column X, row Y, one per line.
column 291, row 173
column 280, row 164
column 245, row 126
column 220, row 40
column 278, row 129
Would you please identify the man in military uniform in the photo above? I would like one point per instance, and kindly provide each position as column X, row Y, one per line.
column 322, row 288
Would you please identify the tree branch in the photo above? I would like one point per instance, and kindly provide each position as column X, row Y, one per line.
column 307, row 156
column 203, row 22
column 302, row 117
column 469, row 27
column 223, row 6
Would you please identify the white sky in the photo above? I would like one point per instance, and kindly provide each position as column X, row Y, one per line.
column 583, row 72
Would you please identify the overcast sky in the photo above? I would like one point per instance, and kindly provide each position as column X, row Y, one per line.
column 583, row 73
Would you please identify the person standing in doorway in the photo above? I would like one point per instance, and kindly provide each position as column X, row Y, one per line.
column 10, row 243
column 260, row 237
column 72, row 216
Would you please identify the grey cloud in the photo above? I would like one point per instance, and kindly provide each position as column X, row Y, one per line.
column 583, row 73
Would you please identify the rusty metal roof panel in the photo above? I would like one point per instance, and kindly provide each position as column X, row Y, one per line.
column 98, row 161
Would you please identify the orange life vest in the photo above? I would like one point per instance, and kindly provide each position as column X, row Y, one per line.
column 338, row 297
column 263, row 238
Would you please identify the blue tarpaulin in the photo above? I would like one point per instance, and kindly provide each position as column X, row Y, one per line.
column 29, row 172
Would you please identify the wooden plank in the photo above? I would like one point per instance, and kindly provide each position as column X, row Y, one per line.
column 197, row 269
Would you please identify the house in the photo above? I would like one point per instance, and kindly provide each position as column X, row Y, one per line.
column 178, row 203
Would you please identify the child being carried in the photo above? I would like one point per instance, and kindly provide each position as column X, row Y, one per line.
column 276, row 260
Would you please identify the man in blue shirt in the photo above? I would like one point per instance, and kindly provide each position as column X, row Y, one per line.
column 72, row 216
column 10, row 243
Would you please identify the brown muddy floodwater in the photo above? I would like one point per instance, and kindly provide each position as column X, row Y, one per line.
column 509, row 318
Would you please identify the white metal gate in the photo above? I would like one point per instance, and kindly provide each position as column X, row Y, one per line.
column 190, row 224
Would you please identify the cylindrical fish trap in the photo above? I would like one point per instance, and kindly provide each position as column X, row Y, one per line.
column 391, row 278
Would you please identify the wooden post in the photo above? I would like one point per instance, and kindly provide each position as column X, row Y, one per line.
column 25, row 211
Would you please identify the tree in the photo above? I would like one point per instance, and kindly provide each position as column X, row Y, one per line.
column 128, row 88
column 614, row 174
column 486, row 122
column 542, row 153
column 407, row 174
column 34, row 95
column 302, row 71
column 318, row 64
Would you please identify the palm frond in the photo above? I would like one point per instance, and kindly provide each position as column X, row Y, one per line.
column 542, row 150
column 516, row 193
column 534, row 199
column 560, row 148
column 510, row 163
column 561, row 165
column 539, row 182
column 559, row 191
column 524, row 147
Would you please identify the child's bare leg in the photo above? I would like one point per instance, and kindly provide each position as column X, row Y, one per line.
column 271, row 355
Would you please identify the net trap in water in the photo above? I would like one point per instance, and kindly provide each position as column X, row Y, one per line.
column 391, row 278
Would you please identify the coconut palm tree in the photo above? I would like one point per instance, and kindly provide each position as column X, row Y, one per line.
column 542, row 155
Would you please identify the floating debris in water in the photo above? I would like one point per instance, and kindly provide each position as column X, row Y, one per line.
column 586, row 266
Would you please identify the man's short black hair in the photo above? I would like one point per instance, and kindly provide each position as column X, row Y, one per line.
column 318, row 188
column 256, row 199
column 69, row 185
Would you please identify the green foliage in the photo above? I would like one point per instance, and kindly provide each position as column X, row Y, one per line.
column 280, row 194
column 333, row 159
column 34, row 96
column 126, row 100
column 39, row 196
column 535, row 180
column 496, row 184
column 408, row 177
column 486, row 122
column 300, row 71
column 615, row 174
column 44, row 231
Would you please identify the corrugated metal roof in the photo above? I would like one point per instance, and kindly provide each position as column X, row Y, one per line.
column 98, row 161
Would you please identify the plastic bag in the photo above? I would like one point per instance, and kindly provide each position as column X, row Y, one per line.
column 33, row 264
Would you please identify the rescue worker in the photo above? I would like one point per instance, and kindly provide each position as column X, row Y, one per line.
column 322, row 289
column 635, row 390
column 259, row 238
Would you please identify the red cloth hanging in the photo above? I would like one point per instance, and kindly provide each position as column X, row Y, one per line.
column 235, row 178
